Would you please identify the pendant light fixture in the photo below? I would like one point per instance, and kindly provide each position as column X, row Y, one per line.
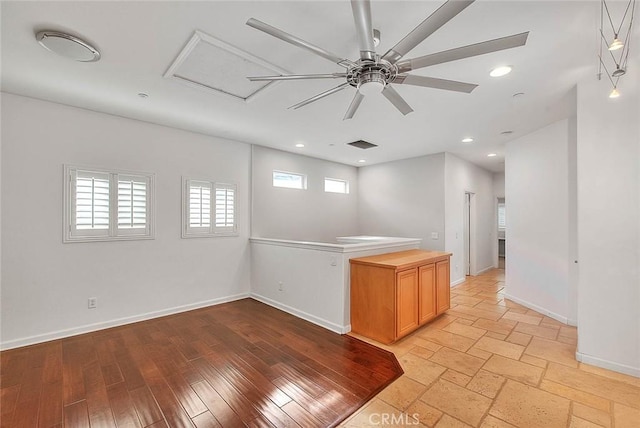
column 616, row 41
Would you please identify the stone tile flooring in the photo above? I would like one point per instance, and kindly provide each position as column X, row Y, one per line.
column 489, row 362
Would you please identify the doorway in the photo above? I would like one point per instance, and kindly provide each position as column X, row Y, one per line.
column 468, row 232
column 502, row 233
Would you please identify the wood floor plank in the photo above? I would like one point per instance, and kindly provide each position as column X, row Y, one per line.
column 236, row 364
column 124, row 411
column 75, row 415
column 50, row 408
column 205, row 420
column 146, row 406
column 216, row 405
column 171, row 409
column 98, row 405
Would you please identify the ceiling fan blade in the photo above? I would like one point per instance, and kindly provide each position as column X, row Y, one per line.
column 396, row 100
column 436, row 20
column 432, row 82
column 296, row 41
column 297, row 77
column 463, row 52
column 320, row 95
column 355, row 103
column 364, row 28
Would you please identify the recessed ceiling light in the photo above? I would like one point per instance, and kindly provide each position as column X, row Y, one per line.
column 500, row 71
column 491, row 155
column 361, row 161
column 467, row 140
column 506, row 133
column 300, row 145
column 68, row 46
column 143, row 95
column 518, row 94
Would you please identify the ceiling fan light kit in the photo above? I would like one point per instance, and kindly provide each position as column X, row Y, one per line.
column 618, row 51
column 372, row 73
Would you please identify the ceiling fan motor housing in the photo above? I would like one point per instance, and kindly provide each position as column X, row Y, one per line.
column 368, row 75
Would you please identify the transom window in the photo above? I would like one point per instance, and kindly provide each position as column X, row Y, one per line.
column 102, row 205
column 289, row 180
column 335, row 185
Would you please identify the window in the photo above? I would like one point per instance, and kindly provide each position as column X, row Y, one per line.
column 102, row 205
column 209, row 209
column 334, row 185
column 289, row 180
column 502, row 219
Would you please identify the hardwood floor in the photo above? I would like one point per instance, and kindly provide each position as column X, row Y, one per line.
column 237, row 364
column 491, row 363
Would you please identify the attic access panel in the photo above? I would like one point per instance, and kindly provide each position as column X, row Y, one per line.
column 212, row 64
column 361, row 144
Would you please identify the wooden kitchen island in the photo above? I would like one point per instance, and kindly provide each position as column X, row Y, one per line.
column 393, row 294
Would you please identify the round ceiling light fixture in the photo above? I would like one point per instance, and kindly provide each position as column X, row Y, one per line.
column 68, row 46
column 492, row 155
column 501, row 71
column 371, row 82
column 467, row 140
column 299, row 145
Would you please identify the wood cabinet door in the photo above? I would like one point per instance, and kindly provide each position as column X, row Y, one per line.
column 406, row 301
column 426, row 293
column 443, row 286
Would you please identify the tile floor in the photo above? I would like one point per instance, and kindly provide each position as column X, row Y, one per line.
column 491, row 363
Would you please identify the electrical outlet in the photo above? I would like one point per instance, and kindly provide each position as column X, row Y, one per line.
column 280, row 286
column 93, row 302
column 434, row 236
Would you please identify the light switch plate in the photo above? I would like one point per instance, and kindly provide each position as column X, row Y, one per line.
column 434, row 235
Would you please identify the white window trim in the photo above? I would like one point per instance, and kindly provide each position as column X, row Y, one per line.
column 346, row 185
column 112, row 233
column 304, row 179
column 212, row 231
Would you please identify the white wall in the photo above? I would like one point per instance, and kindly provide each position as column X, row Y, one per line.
column 498, row 185
column 537, row 198
column 311, row 281
column 460, row 177
column 303, row 215
column 609, row 223
column 45, row 283
column 404, row 198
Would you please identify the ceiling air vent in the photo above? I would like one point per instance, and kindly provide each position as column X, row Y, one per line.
column 361, row 144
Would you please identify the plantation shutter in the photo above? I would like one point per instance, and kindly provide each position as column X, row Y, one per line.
column 90, row 210
column 225, row 220
column 103, row 205
column 132, row 203
column 199, row 206
column 502, row 218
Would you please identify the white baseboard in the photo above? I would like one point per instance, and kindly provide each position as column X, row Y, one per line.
column 606, row 364
column 537, row 308
column 458, row 281
column 60, row 334
column 488, row 268
column 340, row 329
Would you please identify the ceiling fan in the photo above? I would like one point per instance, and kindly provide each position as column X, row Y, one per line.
column 372, row 73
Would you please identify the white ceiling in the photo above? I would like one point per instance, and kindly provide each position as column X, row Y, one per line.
column 140, row 40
